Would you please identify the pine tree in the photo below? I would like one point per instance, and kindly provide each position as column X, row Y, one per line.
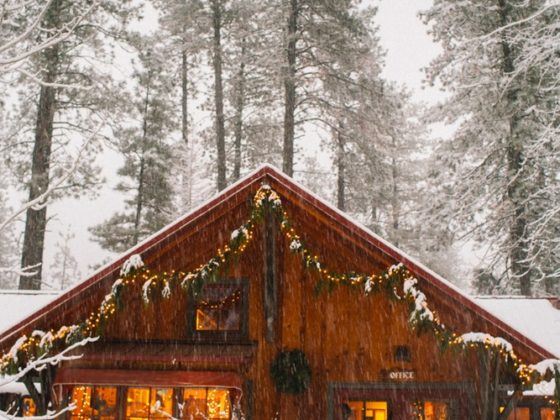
column 253, row 86
column 184, row 23
column 54, row 83
column 64, row 270
column 493, row 163
column 8, row 246
column 147, row 149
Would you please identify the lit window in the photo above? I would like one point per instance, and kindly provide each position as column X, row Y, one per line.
column 148, row 403
column 206, row 403
column 365, row 410
column 161, row 403
column 28, row 407
column 520, row 413
column 153, row 403
column 99, row 402
column 138, row 403
column 434, row 410
column 104, row 403
column 81, row 397
column 547, row 413
column 218, row 308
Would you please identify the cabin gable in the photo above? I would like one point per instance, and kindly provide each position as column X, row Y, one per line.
column 227, row 335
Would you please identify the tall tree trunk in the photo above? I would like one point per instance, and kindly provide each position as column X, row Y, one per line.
column 395, row 203
column 186, row 169
column 36, row 219
column 290, row 90
column 140, row 188
column 341, row 181
column 219, row 94
column 184, row 98
column 514, row 147
column 239, row 105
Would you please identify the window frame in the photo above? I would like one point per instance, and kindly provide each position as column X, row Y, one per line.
column 118, row 398
column 221, row 336
column 122, row 392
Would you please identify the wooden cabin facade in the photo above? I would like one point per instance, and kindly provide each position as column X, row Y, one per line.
column 210, row 355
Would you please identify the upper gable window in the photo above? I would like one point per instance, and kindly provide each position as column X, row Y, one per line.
column 219, row 307
column 219, row 311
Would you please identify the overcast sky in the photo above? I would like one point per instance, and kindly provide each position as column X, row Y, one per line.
column 409, row 49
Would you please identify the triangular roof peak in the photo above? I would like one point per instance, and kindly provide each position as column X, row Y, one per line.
column 284, row 185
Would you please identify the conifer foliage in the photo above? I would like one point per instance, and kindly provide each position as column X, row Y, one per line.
column 144, row 141
column 500, row 167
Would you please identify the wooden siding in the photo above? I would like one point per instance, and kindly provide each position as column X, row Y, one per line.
column 349, row 338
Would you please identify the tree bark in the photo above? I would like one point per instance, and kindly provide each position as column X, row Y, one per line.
column 239, row 105
column 140, row 190
column 290, row 89
column 514, row 150
column 341, row 181
column 36, row 219
column 38, row 398
column 219, row 94
column 184, row 98
column 395, row 203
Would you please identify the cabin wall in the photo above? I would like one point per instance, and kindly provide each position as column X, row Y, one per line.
column 349, row 338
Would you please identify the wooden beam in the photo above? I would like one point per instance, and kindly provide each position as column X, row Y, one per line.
column 511, row 404
column 271, row 286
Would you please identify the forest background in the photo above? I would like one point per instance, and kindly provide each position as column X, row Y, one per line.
column 434, row 123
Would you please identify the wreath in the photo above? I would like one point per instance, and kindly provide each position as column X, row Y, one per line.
column 290, row 371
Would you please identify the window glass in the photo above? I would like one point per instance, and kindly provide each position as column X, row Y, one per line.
column 28, row 407
column 218, row 308
column 137, row 403
column 520, row 413
column 218, row 404
column 547, row 413
column 365, row 410
column 194, row 403
column 81, row 397
column 147, row 403
column 205, row 403
column 435, row 410
column 161, row 403
column 104, row 402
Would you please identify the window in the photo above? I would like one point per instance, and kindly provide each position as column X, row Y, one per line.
column 206, row 403
column 435, row 410
column 94, row 402
column 402, row 354
column 219, row 311
column 430, row 410
column 520, row 413
column 547, row 413
column 365, row 410
column 28, row 407
column 151, row 403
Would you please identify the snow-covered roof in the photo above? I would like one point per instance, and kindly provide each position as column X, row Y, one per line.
column 536, row 318
column 16, row 305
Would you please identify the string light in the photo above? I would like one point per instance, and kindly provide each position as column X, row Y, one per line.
column 266, row 200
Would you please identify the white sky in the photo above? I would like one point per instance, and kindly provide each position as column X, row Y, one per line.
column 409, row 49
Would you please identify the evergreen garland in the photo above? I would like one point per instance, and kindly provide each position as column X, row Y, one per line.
column 397, row 283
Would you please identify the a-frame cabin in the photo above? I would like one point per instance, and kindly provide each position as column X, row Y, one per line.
column 201, row 355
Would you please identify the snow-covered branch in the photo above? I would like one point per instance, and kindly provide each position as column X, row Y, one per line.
column 40, row 364
column 41, row 201
column 59, row 183
column 17, row 50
